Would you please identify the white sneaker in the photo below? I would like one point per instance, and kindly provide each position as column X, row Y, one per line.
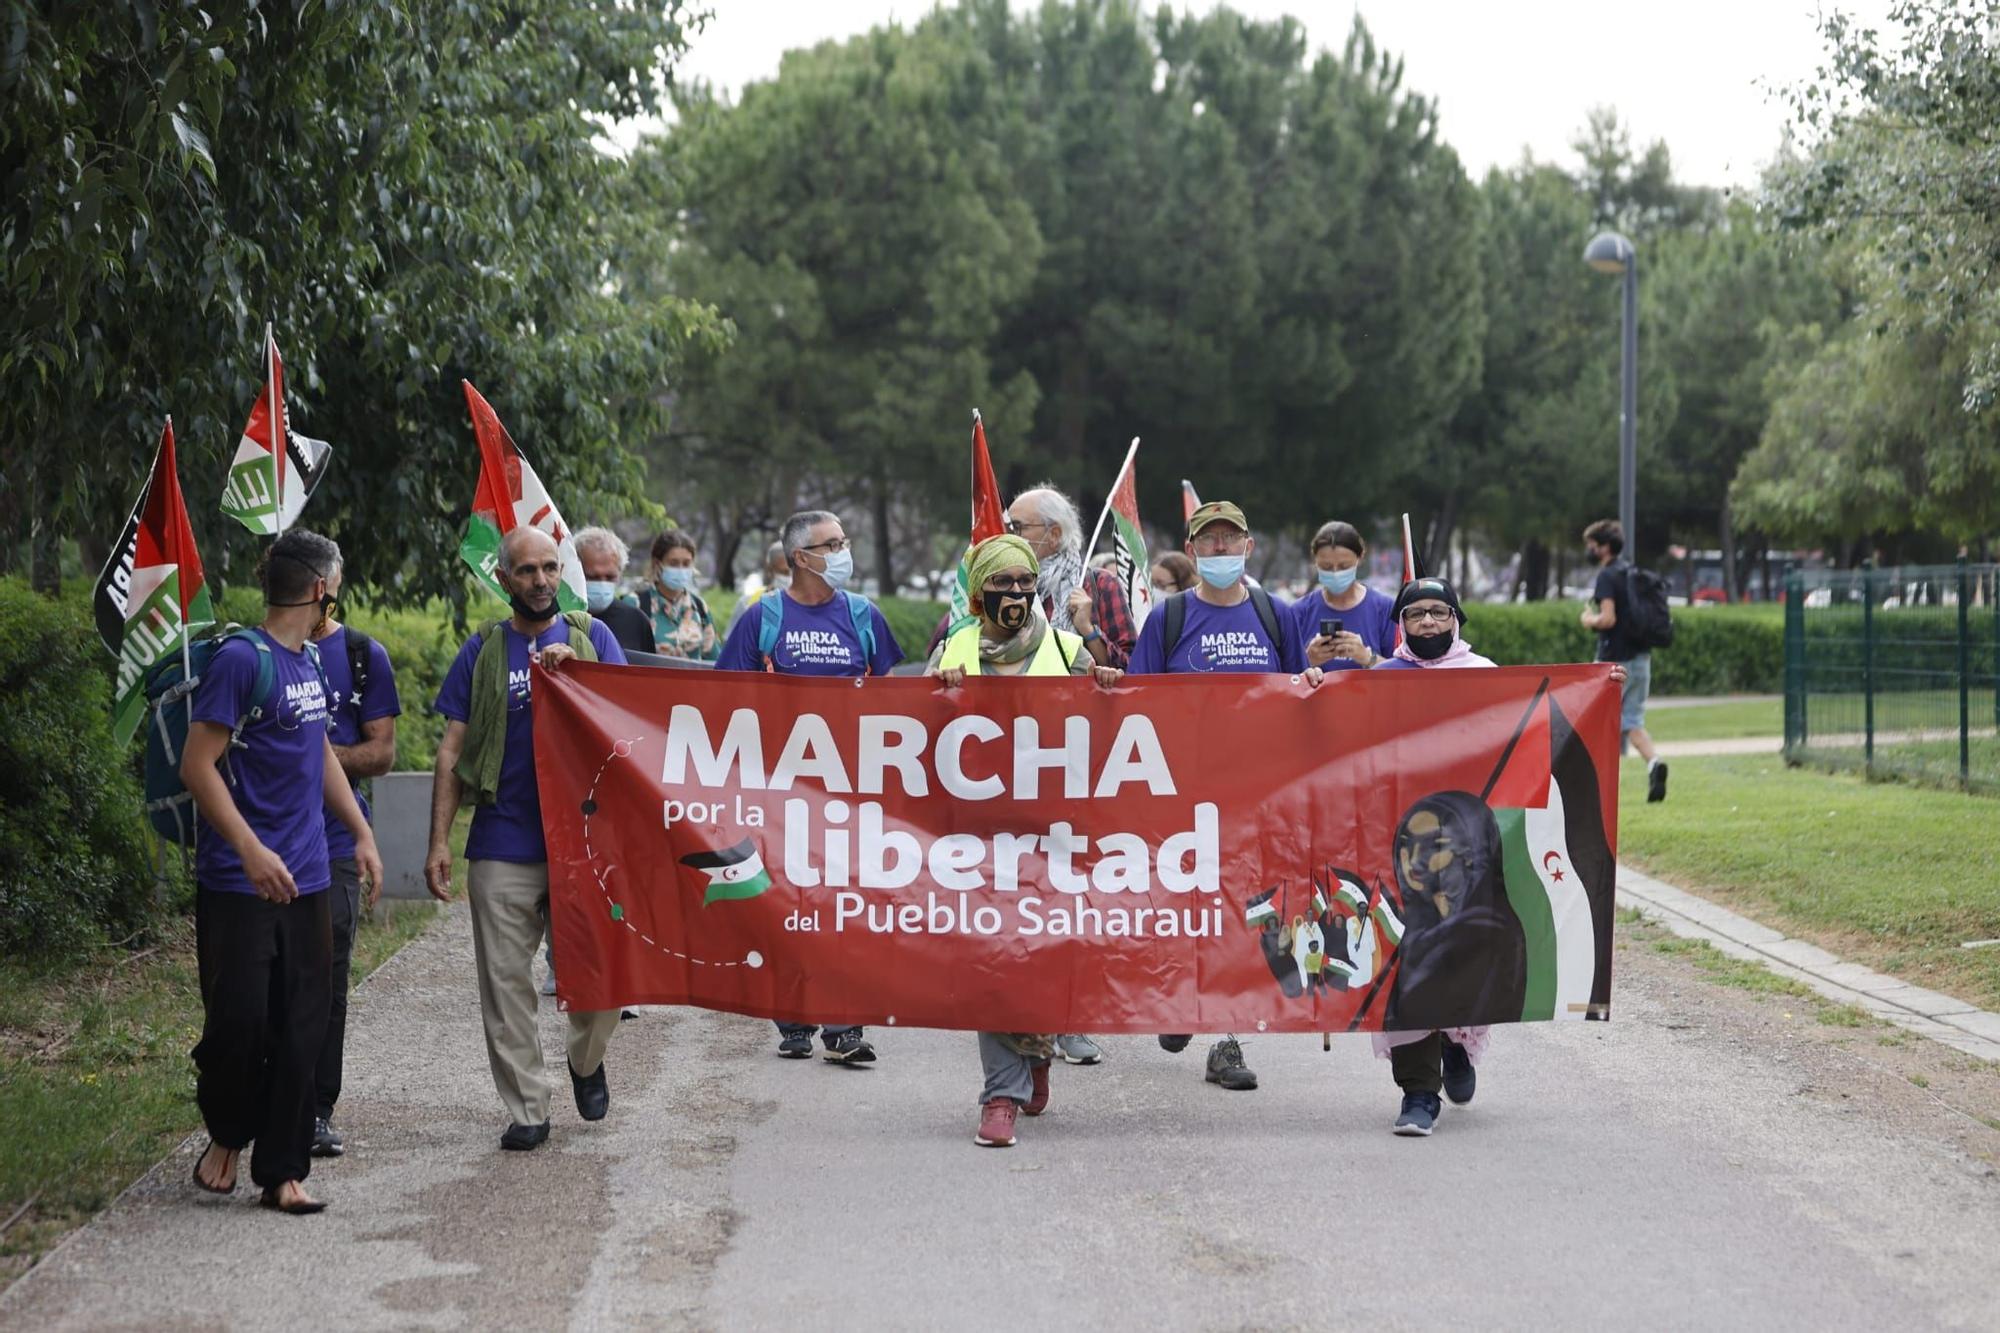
column 549, row 984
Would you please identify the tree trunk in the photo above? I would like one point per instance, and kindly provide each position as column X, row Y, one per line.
column 1732, row 585
column 885, row 560
column 1535, row 570
column 44, row 544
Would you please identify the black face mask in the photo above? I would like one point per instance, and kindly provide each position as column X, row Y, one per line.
column 534, row 615
column 1430, row 647
column 1008, row 610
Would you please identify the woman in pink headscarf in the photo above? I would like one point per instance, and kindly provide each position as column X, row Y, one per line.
column 1443, row 858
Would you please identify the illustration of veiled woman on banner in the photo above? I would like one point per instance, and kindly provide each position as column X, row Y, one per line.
column 1464, row 955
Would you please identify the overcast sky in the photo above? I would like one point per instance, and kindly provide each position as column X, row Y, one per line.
column 1704, row 75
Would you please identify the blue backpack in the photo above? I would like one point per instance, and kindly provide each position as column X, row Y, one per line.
column 772, row 609
column 169, row 686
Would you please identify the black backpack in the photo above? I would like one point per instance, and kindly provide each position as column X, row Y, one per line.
column 1175, row 610
column 1649, row 624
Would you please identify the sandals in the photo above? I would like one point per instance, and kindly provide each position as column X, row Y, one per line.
column 297, row 1208
column 230, row 1188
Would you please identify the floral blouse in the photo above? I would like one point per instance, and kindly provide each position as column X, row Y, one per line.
column 683, row 627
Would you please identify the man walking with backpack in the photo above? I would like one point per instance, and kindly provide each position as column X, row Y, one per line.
column 1223, row 625
column 263, row 775
column 361, row 712
column 815, row 627
column 1628, row 609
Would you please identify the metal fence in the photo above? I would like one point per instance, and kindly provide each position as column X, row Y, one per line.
column 1892, row 671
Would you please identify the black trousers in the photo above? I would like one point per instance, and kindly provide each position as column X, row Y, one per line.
column 344, row 906
column 265, row 969
column 1419, row 1066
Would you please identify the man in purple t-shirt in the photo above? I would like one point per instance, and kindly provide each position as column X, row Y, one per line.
column 822, row 630
column 487, row 756
column 361, row 711
column 1220, row 626
column 263, row 935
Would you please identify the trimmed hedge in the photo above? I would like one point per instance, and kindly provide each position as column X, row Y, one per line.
column 1717, row 649
column 76, row 857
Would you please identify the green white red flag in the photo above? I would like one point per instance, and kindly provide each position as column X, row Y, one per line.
column 988, row 520
column 151, row 595
column 508, row 496
column 1189, row 500
column 275, row 469
column 1129, row 560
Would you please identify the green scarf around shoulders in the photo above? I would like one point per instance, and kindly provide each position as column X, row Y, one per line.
column 485, row 751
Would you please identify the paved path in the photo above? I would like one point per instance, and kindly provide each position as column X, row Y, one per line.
column 1702, row 1162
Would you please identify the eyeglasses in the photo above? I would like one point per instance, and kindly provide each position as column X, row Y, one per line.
column 1010, row 585
column 1017, row 527
column 1417, row 615
column 832, row 547
column 1232, row 543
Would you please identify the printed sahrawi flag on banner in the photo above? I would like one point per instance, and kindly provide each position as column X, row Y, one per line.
column 988, row 520
column 1175, row 855
column 151, row 594
column 508, row 496
column 276, row 469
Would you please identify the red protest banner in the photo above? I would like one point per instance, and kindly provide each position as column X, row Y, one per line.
column 1193, row 853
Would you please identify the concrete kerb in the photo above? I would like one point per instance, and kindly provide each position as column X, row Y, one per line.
column 1943, row 1018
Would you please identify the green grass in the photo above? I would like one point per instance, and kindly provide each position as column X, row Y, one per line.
column 95, row 1080
column 1720, row 721
column 1885, row 874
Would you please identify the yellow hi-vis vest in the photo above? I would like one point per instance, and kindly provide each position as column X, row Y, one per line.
column 1052, row 658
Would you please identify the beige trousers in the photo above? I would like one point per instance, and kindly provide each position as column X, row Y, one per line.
column 509, row 906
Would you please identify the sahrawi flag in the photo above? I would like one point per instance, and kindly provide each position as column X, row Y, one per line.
column 151, row 595
column 508, row 496
column 275, row 469
column 987, row 521
column 1557, row 863
column 733, row 872
column 1129, row 551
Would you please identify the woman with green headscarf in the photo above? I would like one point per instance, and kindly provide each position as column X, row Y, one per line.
column 1010, row 636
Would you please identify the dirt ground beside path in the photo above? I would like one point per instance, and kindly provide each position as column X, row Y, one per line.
column 1712, row 1157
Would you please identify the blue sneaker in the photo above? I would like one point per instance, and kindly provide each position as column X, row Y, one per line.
column 1461, row 1080
column 1420, row 1114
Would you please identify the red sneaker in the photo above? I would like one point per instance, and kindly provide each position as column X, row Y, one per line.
column 1039, row 1102
column 996, row 1124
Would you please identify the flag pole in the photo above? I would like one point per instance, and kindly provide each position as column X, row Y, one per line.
column 278, row 442
column 187, row 661
column 1409, row 551
column 1116, row 481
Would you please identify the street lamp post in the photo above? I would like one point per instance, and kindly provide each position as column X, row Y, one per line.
column 1608, row 252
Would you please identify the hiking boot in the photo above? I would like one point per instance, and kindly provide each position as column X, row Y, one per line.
column 1656, row 781
column 797, row 1045
column 1460, row 1078
column 525, row 1138
column 326, row 1140
column 1038, row 1076
column 1078, row 1050
column 996, row 1124
column 1176, row 1043
column 1225, row 1066
column 1420, row 1114
column 849, row 1049
column 593, row 1095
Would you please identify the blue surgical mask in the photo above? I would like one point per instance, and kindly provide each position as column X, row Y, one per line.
column 1220, row 571
column 1337, row 581
column 678, row 577
column 839, row 571
column 599, row 592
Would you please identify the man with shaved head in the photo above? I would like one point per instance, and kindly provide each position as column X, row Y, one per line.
column 487, row 759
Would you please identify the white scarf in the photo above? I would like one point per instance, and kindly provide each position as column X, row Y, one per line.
column 1061, row 575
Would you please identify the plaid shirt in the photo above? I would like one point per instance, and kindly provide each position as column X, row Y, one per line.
column 1111, row 616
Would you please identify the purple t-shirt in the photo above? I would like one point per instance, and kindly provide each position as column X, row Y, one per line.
column 275, row 778
column 347, row 712
column 510, row 829
column 1373, row 619
column 1219, row 638
column 812, row 641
